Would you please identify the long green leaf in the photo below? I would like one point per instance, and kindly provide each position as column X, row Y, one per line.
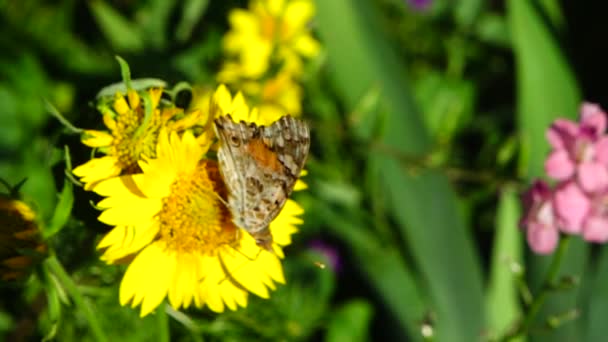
column 423, row 205
column 385, row 269
column 597, row 310
column 118, row 30
column 502, row 299
column 350, row 322
column 546, row 89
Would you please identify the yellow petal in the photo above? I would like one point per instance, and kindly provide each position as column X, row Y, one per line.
column 108, row 120
column 133, row 98
column 307, row 46
column 120, row 104
column 185, row 280
column 245, row 272
column 155, row 95
column 133, row 214
column 126, row 240
column 297, row 15
column 239, row 110
column 300, row 185
column 222, row 100
column 242, row 20
column 96, row 170
column 148, row 278
column 93, row 138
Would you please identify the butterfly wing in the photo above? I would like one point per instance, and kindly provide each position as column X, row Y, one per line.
column 260, row 166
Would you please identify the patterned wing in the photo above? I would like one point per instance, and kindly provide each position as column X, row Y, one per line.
column 233, row 162
column 260, row 166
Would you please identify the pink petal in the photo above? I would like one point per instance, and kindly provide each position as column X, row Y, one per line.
column 559, row 166
column 596, row 229
column 601, row 150
column 542, row 238
column 571, row 207
column 592, row 176
column 561, row 133
column 593, row 117
column 533, row 200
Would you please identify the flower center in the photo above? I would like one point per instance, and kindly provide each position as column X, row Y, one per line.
column 193, row 218
column 273, row 28
column 132, row 140
column 584, row 151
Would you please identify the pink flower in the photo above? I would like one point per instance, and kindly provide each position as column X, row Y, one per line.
column 539, row 219
column 580, row 149
column 595, row 228
column 571, row 207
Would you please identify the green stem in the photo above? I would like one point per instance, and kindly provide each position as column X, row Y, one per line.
column 55, row 266
column 163, row 324
column 539, row 299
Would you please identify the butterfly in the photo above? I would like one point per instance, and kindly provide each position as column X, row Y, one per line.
column 260, row 166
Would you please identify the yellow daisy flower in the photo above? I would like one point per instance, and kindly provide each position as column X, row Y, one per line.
column 173, row 220
column 270, row 31
column 20, row 243
column 132, row 134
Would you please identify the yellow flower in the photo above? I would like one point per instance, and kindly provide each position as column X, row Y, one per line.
column 133, row 133
column 275, row 97
column 20, row 244
column 172, row 220
column 270, row 31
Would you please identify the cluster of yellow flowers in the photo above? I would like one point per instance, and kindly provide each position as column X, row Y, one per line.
column 154, row 165
column 163, row 193
column 265, row 49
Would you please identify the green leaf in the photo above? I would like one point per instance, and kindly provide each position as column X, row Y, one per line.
column 136, row 84
column 493, row 28
column 192, row 11
column 467, row 11
column 350, row 323
column 62, row 210
column 423, row 204
column 154, row 18
column 597, row 309
column 125, row 72
column 118, row 30
column 385, row 269
column 447, row 104
column 502, row 301
column 546, row 89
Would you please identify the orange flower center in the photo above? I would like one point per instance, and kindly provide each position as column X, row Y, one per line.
column 193, row 218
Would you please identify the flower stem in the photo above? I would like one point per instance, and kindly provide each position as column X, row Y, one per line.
column 55, row 266
column 546, row 287
column 163, row 325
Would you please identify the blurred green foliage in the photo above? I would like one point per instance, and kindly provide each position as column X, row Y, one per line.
column 426, row 124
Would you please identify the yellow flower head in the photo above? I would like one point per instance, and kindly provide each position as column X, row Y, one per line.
column 20, row 243
column 173, row 219
column 271, row 31
column 276, row 96
column 134, row 124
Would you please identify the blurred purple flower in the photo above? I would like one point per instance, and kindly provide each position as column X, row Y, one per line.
column 330, row 253
column 420, row 5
